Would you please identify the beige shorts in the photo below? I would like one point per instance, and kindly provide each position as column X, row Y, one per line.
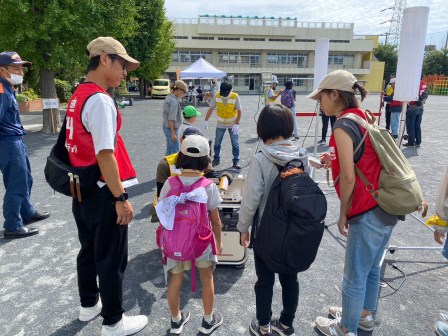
column 186, row 265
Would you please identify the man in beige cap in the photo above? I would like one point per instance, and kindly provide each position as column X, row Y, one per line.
column 172, row 116
column 92, row 137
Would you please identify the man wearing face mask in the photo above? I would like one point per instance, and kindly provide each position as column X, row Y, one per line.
column 14, row 164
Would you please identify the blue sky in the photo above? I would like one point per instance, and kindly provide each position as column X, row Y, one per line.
column 365, row 14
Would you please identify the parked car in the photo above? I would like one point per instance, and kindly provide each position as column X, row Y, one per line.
column 160, row 88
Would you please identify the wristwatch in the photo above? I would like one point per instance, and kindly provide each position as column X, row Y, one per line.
column 122, row 198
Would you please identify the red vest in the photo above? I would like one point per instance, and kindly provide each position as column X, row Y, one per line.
column 369, row 164
column 423, row 86
column 79, row 142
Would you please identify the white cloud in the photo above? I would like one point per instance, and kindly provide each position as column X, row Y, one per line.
column 366, row 16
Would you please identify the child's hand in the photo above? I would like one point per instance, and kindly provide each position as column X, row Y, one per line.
column 219, row 247
column 244, row 239
column 439, row 236
column 326, row 160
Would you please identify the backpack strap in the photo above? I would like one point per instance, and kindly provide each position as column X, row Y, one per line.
column 364, row 124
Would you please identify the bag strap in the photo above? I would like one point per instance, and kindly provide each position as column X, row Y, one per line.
column 364, row 124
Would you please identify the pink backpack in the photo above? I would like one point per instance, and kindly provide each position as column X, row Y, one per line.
column 192, row 231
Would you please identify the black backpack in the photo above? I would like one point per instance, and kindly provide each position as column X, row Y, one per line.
column 292, row 225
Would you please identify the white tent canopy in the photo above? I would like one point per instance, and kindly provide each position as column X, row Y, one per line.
column 201, row 69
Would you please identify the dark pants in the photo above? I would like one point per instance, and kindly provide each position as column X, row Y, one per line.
column 325, row 124
column 16, row 171
column 413, row 123
column 104, row 253
column 264, row 292
column 388, row 116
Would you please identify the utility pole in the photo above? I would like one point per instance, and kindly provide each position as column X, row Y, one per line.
column 446, row 41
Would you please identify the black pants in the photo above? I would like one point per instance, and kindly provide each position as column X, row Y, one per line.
column 325, row 124
column 103, row 253
column 388, row 116
column 264, row 291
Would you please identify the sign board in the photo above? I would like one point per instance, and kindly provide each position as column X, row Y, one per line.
column 50, row 103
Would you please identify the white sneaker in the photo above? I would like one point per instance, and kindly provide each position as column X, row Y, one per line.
column 128, row 325
column 89, row 313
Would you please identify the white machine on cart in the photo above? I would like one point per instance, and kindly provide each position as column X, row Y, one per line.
column 233, row 253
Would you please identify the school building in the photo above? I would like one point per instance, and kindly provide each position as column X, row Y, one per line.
column 248, row 47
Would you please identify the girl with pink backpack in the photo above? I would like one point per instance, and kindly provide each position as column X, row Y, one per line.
column 187, row 205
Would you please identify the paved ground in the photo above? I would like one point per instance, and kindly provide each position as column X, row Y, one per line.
column 38, row 290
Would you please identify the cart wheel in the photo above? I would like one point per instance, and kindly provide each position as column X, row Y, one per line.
column 242, row 266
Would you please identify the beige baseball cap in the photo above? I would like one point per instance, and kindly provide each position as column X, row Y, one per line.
column 110, row 46
column 335, row 80
column 180, row 84
column 195, row 146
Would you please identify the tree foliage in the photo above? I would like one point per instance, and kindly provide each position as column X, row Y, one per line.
column 436, row 62
column 53, row 34
column 388, row 54
column 153, row 44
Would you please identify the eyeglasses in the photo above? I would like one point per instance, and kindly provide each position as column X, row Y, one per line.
column 123, row 63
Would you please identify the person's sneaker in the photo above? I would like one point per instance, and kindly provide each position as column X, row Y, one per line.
column 365, row 323
column 177, row 327
column 408, row 145
column 128, row 325
column 321, row 142
column 405, row 137
column 443, row 317
column 417, row 145
column 38, row 216
column 207, row 328
column 215, row 163
column 254, row 328
column 441, row 328
column 89, row 313
column 280, row 329
column 236, row 165
column 330, row 327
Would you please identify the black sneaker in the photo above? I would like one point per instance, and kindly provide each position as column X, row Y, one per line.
column 405, row 137
column 236, row 165
column 215, row 163
column 408, row 145
column 177, row 327
column 38, row 216
column 207, row 328
column 321, row 142
column 277, row 326
column 417, row 145
column 254, row 328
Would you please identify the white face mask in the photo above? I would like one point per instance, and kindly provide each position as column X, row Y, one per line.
column 15, row 79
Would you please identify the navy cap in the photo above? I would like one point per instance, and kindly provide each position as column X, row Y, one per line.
column 191, row 130
column 225, row 88
column 11, row 57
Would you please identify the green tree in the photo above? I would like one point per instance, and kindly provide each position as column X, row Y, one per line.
column 153, row 45
column 388, row 54
column 53, row 35
column 436, row 62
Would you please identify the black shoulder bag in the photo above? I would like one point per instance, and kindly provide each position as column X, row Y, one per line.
column 63, row 177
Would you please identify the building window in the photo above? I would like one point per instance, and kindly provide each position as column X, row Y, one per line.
column 186, row 56
column 341, row 61
column 305, row 40
column 279, row 40
column 339, row 41
column 298, row 60
column 228, row 38
column 181, row 37
column 259, row 39
column 202, row 37
column 250, row 58
column 228, row 57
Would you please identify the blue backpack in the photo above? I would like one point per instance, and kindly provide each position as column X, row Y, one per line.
column 287, row 98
